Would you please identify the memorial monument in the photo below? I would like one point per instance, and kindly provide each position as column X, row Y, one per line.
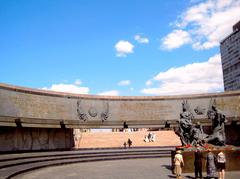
column 192, row 135
column 33, row 119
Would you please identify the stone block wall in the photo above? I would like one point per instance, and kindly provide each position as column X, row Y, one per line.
column 81, row 111
column 26, row 139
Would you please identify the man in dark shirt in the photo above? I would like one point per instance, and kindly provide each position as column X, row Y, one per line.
column 198, row 162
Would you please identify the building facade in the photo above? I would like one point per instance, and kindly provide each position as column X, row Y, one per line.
column 230, row 54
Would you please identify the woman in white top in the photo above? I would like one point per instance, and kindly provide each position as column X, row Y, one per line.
column 178, row 162
column 221, row 164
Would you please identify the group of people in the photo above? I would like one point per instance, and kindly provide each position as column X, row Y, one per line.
column 213, row 164
column 151, row 137
column 129, row 143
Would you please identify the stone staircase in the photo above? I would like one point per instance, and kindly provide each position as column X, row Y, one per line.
column 14, row 164
column 116, row 139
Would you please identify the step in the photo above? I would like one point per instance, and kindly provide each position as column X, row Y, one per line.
column 18, row 169
column 20, row 161
column 15, row 156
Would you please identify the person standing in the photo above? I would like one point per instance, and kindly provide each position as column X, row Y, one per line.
column 125, row 145
column 129, row 143
column 221, row 164
column 211, row 167
column 198, row 162
column 178, row 163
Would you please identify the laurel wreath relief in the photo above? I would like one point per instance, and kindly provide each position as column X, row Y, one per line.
column 81, row 114
column 104, row 115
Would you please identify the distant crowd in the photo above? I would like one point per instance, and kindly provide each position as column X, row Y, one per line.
column 151, row 137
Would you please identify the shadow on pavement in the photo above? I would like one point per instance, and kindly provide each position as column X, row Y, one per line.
column 169, row 167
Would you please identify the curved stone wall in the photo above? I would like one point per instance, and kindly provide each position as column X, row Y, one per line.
column 32, row 119
column 36, row 108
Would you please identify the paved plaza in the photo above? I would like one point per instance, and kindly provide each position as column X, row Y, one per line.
column 156, row 168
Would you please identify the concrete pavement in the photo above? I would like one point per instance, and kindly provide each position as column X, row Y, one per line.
column 158, row 168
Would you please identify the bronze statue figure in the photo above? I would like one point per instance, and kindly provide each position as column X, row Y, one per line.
column 218, row 124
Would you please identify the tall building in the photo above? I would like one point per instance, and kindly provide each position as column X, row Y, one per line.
column 230, row 54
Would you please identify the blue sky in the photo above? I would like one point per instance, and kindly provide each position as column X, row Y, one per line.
column 132, row 47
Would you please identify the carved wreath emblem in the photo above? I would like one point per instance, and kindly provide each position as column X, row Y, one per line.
column 92, row 112
column 105, row 114
column 81, row 114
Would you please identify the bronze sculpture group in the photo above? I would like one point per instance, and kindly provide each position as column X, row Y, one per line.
column 193, row 134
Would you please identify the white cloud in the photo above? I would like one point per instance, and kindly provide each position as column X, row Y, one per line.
column 149, row 82
column 123, row 48
column 109, row 93
column 207, row 23
column 78, row 82
column 175, row 39
column 124, row 83
column 201, row 77
column 69, row 88
column 142, row 40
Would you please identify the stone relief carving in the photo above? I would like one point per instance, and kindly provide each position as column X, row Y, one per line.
column 92, row 111
column 105, row 113
column 15, row 139
column 81, row 114
column 199, row 110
